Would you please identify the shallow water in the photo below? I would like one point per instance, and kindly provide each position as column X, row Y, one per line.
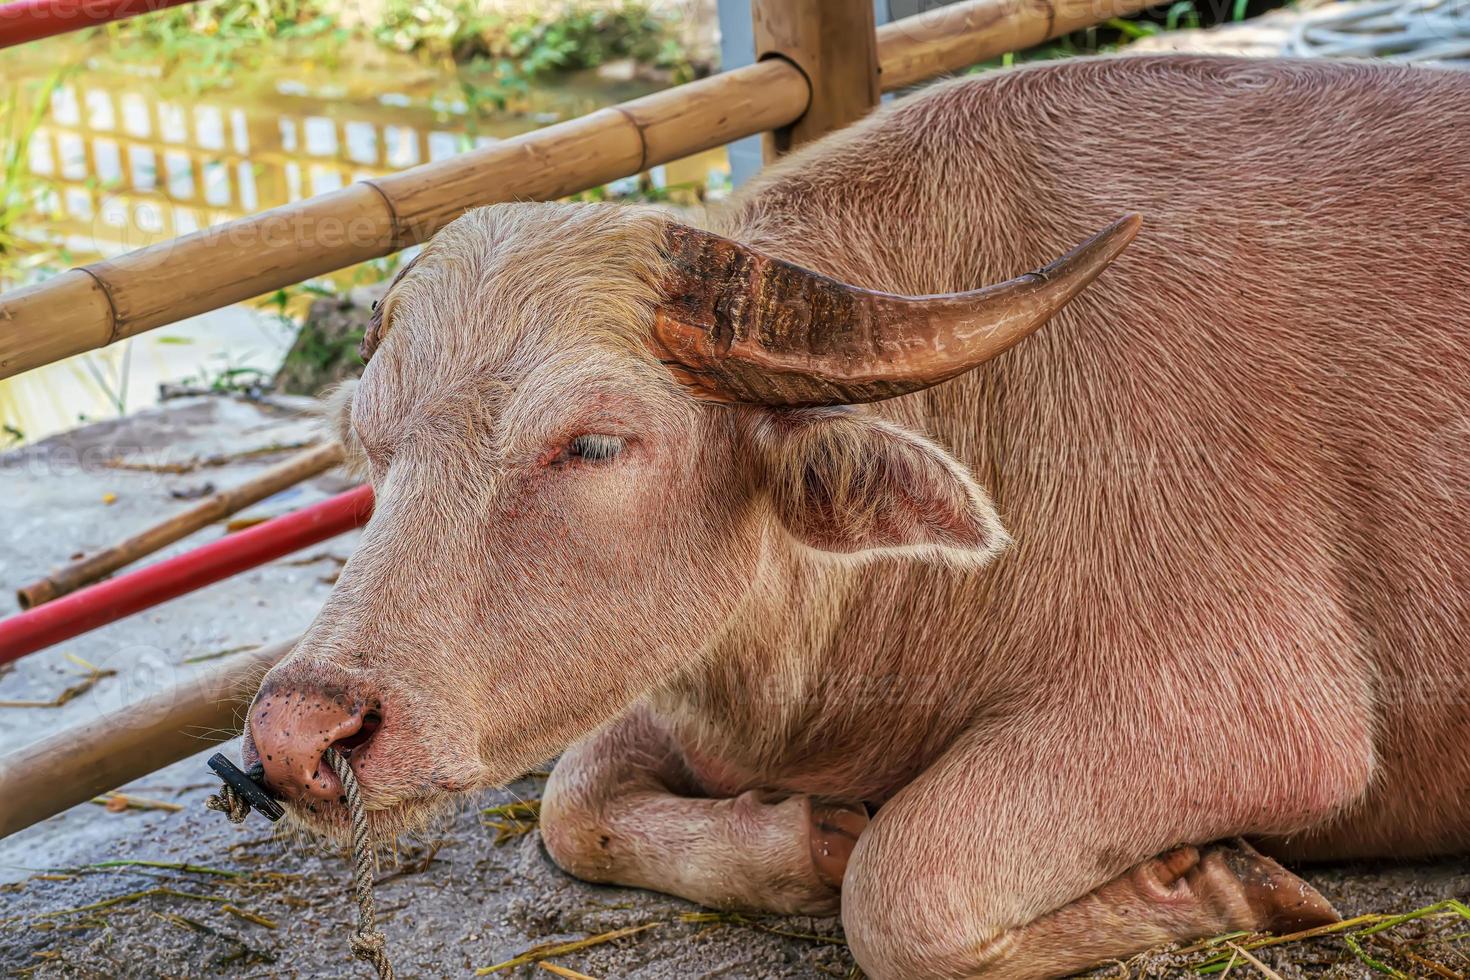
column 129, row 154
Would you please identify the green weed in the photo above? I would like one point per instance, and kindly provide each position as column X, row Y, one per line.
column 22, row 110
column 217, row 38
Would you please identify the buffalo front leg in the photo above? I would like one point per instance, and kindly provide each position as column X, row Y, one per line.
column 622, row 808
column 1031, row 863
column 1186, row 893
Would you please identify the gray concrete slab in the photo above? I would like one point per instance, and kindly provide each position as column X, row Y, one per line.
column 91, row 487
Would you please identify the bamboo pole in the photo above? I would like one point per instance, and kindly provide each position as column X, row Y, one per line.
column 288, row 473
column 89, row 307
column 76, row 764
column 949, row 38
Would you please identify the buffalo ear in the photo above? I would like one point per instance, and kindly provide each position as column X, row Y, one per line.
column 847, row 482
column 336, row 413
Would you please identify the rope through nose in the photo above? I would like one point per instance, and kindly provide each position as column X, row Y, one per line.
column 228, row 802
column 240, row 791
column 368, row 944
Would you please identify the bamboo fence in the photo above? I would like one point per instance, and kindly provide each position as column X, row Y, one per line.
column 97, row 304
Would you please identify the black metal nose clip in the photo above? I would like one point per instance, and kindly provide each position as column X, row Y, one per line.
column 248, row 786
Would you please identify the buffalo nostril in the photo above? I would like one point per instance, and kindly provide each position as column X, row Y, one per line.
column 372, row 720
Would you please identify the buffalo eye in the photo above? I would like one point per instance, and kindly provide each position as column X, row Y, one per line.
column 592, row 448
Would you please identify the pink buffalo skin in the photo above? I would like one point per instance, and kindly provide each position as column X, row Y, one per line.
column 1008, row 671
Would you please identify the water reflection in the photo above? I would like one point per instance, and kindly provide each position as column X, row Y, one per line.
column 128, row 161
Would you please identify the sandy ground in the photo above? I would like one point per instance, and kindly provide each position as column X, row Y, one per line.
column 475, row 904
column 54, row 503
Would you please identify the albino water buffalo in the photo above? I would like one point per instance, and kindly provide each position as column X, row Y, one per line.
column 1008, row 662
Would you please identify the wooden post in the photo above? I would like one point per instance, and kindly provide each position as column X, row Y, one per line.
column 835, row 45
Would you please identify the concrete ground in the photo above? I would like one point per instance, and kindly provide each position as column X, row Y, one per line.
column 1274, row 33
column 1260, row 37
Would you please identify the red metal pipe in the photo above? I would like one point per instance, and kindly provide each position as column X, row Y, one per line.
column 105, row 602
column 31, row 20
